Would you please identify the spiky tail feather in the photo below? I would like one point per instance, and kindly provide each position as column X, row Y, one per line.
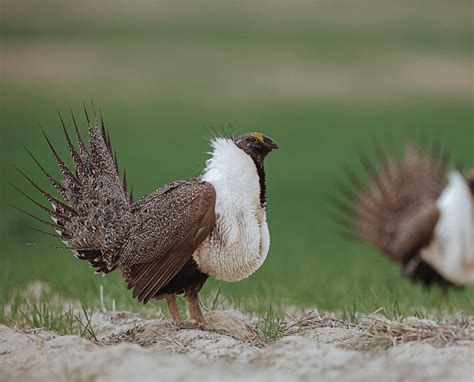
column 92, row 217
column 396, row 211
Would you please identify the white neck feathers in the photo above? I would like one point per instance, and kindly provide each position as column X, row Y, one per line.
column 233, row 174
column 240, row 240
column 451, row 251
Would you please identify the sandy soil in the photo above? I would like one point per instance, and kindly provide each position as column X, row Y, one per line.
column 312, row 347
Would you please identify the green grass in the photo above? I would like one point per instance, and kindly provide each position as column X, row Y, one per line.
column 161, row 84
column 269, row 326
column 64, row 320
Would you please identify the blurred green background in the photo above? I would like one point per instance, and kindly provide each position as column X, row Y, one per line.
column 323, row 79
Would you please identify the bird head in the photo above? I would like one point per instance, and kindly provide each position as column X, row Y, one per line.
column 257, row 145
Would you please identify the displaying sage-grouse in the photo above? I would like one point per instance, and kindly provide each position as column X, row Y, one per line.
column 418, row 216
column 171, row 240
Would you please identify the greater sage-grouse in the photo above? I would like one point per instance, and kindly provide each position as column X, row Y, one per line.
column 418, row 214
column 171, row 240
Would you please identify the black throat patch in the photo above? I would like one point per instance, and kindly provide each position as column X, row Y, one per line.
column 261, row 175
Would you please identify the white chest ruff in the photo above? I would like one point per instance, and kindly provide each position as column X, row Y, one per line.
column 236, row 249
column 240, row 240
column 451, row 251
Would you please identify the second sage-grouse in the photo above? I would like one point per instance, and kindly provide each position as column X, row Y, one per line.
column 420, row 215
column 171, row 240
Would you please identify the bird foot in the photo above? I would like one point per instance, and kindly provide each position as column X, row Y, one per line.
column 190, row 325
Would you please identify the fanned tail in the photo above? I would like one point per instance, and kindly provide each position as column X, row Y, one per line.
column 396, row 211
column 92, row 217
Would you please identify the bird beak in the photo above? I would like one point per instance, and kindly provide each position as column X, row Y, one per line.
column 271, row 144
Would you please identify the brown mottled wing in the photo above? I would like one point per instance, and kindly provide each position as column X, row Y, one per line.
column 397, row 211
column 170, row 225
column 415, row 231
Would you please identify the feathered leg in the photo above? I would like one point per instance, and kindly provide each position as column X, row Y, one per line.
column 194, row 307
column 173, row 309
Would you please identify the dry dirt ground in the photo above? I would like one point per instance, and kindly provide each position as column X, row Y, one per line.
column 311, row 347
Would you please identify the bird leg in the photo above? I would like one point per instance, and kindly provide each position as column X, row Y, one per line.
column 194, row 307
column 173, row 309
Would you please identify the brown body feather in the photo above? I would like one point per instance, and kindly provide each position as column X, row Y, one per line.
column 170, row 225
